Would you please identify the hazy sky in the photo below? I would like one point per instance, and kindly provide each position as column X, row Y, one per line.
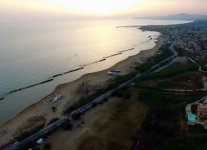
column 16, row 9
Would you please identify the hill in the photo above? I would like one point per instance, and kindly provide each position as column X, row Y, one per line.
column 180, row 16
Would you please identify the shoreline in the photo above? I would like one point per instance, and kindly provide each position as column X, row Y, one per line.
column 95, row 80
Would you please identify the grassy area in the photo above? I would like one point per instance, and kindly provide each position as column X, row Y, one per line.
column 164, row 53
column 185, row 143
column 162, row 125
column 173, row 69
column 144, row 67
column 189, row 80
column 153, row 113
column 203, row 63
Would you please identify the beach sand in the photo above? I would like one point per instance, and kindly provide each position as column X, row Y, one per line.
column 72, row 92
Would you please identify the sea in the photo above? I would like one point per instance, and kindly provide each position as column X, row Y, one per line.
column 35, row 57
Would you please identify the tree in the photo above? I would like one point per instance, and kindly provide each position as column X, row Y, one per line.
column 76, row 116
column 53, row 120
column 67, row 125
column 54, row 109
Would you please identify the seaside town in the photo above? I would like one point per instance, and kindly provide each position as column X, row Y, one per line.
column 191, row 42
column 191, row 37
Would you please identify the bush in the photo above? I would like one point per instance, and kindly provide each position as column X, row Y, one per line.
column 117, row 93
column 105, row 99
column 76, row 116
column 194, row 108
column 67, row 125
column 28, row 133
column 144, row 67
column 173, row 69
column 53, row 120
column 27, row 145
column 54, row 109
column 47, row 146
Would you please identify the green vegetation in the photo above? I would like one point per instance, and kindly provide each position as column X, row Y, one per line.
column 67, row 125
column 162, row 127
column 122, row 93
column 194, row 108
column 54, row 109
column 173, row 69
column 181, row 52
column 143, row 67
column 156, row 98
column 25, row 135
column 53, row 120
column 164, row 53
column 76, row 116
column 28, row 133
column 190, row 80
column 203, row 64
column 165, row 99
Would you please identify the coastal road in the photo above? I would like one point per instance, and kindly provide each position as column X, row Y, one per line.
column 175, row 54
column 199, row 66
column 89, row 105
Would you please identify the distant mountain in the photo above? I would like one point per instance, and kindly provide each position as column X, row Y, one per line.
column 181, row 16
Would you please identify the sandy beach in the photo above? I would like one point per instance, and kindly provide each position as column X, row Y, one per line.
column 43, row 111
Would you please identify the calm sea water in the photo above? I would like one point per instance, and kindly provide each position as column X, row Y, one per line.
column 33, row 52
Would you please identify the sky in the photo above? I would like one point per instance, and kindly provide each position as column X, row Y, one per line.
column 22, row 9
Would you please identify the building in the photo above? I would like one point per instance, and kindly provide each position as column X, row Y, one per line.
column 191, row 119
column 196, row 112
column 202, row 111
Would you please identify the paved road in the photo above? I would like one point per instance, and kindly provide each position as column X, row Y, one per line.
column 183, row 90
column 199, row 66
column 175, row 54
column 159, row 66
column 90, row 104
